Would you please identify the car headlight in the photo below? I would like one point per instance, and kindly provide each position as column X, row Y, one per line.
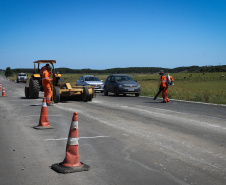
column 120, row 86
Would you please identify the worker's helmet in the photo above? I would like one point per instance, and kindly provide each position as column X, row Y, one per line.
column 161, row 72
column 48, row 67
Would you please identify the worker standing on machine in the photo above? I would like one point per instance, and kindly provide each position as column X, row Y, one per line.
column 46, row 82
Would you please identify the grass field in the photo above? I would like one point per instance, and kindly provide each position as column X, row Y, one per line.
column 201, row 87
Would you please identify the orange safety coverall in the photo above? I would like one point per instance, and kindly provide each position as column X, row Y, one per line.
column 42, row 69
column 46, row 82
column 164, row 87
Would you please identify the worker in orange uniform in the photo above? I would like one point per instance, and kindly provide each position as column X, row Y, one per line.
column 46, row 82
column 164, row 86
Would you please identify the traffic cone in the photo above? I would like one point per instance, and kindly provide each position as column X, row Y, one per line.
column 71, row 162
column 44, row 121
column 0, row 86
column 3, row 91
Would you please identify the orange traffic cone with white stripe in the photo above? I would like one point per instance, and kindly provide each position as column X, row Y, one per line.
column 0, row 86
column 44, row 120
column 72, row 162
column 3, row 91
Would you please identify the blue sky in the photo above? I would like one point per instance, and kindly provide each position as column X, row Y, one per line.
column 103, row 34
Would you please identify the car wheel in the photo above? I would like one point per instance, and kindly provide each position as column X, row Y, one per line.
column 138, row 94
column 124, row 94
column 116, row 93
column 105, row 92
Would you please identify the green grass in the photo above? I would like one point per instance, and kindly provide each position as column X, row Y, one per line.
column 208, row 87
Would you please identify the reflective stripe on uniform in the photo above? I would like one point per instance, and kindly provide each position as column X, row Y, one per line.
column 72, row 141
column 46, row 78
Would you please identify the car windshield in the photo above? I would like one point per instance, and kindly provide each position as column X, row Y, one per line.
column 124, row 78
column 21, row 74
column 92, row 78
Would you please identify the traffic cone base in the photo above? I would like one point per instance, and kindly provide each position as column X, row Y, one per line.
column 60, row 168
column 43, row 127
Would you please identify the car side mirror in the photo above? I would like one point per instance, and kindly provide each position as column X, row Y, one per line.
column 101, row 80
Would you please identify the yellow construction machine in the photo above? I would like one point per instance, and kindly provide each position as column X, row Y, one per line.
column 60, row 89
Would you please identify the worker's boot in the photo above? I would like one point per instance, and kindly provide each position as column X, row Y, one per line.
column 50, row 104
column 164, row 101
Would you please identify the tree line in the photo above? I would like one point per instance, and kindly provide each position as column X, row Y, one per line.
column 198, row 69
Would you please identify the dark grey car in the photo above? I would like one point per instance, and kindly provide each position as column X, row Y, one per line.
column 121, row 84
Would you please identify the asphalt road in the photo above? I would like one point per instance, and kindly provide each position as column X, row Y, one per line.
column 125, row 140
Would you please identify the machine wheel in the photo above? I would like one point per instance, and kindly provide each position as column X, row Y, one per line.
column 85, row 95
column 56, row 94
column 105, row 92
column 91, row 96
column 26, row 91
column 34, row 88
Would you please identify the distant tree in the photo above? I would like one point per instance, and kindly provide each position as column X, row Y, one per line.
column 8, row 72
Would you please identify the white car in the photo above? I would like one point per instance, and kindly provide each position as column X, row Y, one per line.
column 21, row 77
column 91, row 80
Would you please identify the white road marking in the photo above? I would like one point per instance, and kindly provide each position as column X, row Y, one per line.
column 39, row 115
column 94, row 137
